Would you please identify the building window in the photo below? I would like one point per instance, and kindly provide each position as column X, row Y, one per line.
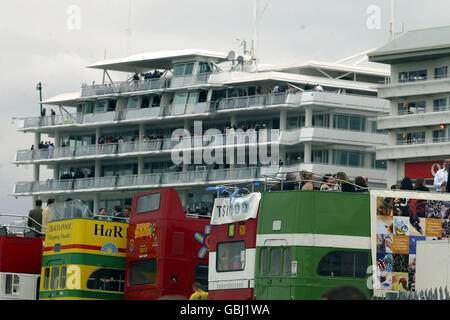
column 107, row 280
column 440, row 72
column 319, row 156
column 440, row 104
column 204, row 67
column 439, row 135
column 411, row 138
column 349, row 122
column 411, row 76
column 321, row 121
column 143, row 272
column 230, row 256
column 411, row 107
column 348, row 158
column 378, row 164
column 183, row 69
column 349, row 264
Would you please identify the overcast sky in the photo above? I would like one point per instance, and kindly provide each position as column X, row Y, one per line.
column 51, row 41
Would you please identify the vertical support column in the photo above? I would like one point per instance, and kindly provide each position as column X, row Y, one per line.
column 307, row 152
column 283, row 120
column 37, row 140
column 98, row 170
column 140, row 165
column 308, row 117
column 98, row 133
column 233, row 120
column 96, row 203
column 57, row 139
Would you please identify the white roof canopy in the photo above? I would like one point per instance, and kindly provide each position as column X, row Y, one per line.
column 155, row 60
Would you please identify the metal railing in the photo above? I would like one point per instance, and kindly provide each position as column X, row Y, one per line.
column 167, row 144
column 131, row 181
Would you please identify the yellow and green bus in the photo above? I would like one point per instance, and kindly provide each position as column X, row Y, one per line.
column 83, row 257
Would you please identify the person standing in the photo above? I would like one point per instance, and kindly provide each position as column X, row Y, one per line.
column 45, row 215
column 118, row 214
column 198, row 294
column 35, row 217
column 440, row 179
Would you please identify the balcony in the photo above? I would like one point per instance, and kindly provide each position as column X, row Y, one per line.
column 127, row 115
column 123, row 149
column 434, row 118
column 133, row 182
column 423, row 86
column 414, row 148
column 330, row 136
column 144, row 85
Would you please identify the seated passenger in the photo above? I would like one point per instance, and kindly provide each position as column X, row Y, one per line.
column 291, row 182
column 308, row 177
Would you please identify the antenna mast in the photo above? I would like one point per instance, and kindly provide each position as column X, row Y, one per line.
column 257, row 14
column 392, row 24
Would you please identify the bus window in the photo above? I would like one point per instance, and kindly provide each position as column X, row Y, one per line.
column 147, row 203
column 106, row 280
column 62, row 283
column 46, row 278
column 264, row 261
column 231, row 256
column 201, row 275
column 143, row 272
column 287, row 261
column 275, row 261
column 55, row 278
column 351, row 264
column 12, row 284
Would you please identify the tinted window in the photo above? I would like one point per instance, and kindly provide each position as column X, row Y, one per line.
column 55, row 278
column 106, row 280
column 275, row 261
column 263, row 262
column 351, row 264
column 147, row 203
column 201, row 275
column 46, row 278
column 62, row 284
column 143, row 272
column 230, row 256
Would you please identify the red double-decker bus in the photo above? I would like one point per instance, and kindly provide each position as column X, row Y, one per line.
column 20, row 264
column 167, row 250
column 232, row 255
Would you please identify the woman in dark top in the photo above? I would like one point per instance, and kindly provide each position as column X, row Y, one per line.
column 406, row 184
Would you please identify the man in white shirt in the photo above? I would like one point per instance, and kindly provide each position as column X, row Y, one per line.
column 440, row 179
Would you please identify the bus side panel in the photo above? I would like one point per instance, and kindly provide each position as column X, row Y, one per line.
column 20, row 255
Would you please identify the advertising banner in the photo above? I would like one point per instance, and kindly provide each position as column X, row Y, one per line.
column 237, row 209
column 398, row 220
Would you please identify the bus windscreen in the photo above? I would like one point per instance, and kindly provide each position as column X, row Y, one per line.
column 148, row 203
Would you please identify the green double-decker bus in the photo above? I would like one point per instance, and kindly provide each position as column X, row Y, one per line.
column 309, row 241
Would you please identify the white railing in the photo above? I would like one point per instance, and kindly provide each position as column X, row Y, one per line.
column 133, row 181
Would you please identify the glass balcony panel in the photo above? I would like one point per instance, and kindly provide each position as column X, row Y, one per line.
column 108, row 148
column 84, row 183
column 99, row 117
column 105, row 182
column 126, row 147
column 149, row 179
column 123, row 181
column 22, row 187
column 25, row 155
